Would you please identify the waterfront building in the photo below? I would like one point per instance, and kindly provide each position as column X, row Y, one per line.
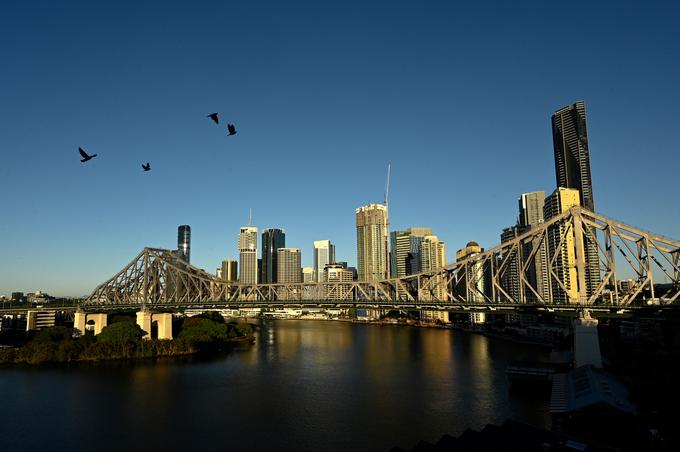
column 308, row 274
column 247, row 247
column 229, row 270
column 289, row 265
column 510, row 278
column 561, row 245
column 324, row 254
column 372, row 242
column 184, row 243
column 405, row 251
column 272, row 240
column 531, row 215
column 572, row 170
column 472, row 283
column 433, row 258
column 336, row 273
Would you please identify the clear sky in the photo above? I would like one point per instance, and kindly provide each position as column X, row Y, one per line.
column 457, row 95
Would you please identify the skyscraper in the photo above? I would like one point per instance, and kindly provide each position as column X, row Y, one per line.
column 572, row 157
column 531, row 215
column 372, row 242
column 433, row 258
column 184, row 243
column 272, row 240
column 289, row 265
column 561, row 244
column 510, row 280
column 572, row 170
column 324, row 254
column 247, row 247
column 229, row 270
column 405, row 250
column 472, row 284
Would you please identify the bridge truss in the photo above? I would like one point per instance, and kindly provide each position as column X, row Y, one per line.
column 552, row 263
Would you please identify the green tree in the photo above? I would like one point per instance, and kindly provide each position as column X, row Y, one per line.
column 201, row 331
column 121, row 333
column 53, row 334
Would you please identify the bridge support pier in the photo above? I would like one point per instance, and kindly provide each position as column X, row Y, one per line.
column 146, row 318
column 82, row 318
column 586, row 342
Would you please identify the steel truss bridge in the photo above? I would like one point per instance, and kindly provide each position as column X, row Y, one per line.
column 501, row 278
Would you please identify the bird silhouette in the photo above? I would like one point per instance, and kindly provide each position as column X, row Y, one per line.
column 214, row 117
column 146, row 167
column 85, row 156
column 232, row 129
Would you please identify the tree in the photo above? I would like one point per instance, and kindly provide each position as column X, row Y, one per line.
column 121, row 333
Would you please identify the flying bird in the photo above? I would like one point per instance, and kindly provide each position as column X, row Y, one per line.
column 146, row 167
column 232, row 129
column 85, row 156
column 214, row 117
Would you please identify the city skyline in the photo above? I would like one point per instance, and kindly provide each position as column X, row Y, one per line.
column 425, row 93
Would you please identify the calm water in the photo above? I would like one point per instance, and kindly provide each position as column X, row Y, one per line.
column 304, row 385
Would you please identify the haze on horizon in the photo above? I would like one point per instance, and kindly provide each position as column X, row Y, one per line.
column 458, row 96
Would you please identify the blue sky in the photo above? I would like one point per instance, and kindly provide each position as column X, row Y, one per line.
column 457, row 95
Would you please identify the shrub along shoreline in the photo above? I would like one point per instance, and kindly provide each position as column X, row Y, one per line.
column 123, row 339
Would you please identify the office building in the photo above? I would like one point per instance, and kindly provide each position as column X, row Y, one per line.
column 184, row 243
column 272, row 240
column 572, row 170
column 562, row 246
column 289, row 268
column 432, row 259
column 472, row 284
column 530, row 216
column 307, row 274
column 338, row 274
column 510, row 277
column 229, row 270
column 372, row 242
column 324, row 254
column 405, row 251
column 247, row 248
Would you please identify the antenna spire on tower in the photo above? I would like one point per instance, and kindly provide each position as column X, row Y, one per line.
column 250, row 216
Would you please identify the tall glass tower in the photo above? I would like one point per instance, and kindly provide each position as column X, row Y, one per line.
column 572, row 157
column 184, row 242
column 272, row 240
column 572, row 170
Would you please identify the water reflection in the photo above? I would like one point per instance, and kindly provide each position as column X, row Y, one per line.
column 304, row 385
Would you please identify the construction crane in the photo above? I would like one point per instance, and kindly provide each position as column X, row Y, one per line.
column 387, row 187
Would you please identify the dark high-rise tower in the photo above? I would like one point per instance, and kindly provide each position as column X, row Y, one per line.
column 572, row 170
column 272, row 240
column 572, row 156
column 184, row 242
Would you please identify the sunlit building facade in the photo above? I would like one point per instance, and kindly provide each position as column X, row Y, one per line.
column 247, row 247
column 372, row 242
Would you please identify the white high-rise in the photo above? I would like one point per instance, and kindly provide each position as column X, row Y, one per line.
column 247, row 248
column 324, row 254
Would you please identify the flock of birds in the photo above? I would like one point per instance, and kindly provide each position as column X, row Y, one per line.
column 231, row 130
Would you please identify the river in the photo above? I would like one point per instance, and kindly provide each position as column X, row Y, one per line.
column 304, row 385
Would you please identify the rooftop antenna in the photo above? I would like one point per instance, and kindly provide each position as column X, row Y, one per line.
column 387, row 187
column 250, row 216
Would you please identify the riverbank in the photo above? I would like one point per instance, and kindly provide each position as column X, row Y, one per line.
column 124, row 340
